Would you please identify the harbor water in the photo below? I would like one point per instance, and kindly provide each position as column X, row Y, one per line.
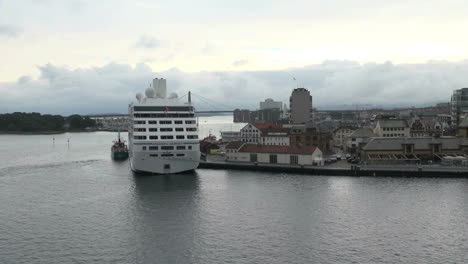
column 68, row 202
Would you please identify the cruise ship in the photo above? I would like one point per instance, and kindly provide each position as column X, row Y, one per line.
column 163, row 136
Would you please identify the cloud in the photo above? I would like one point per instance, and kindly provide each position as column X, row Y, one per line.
column 9, row 31
column 112, row 87
column 147, row 42
column 238, row 63
column 24, row 79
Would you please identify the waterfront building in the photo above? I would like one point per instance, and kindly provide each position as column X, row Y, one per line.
column 358, row 139
column 459, row 105
column 271, row 104
column 252, row 132
column 301, row 106
column 392, row 128
column 268, row 115
column 341, row 135
column 300, row 135
column 412, row 150
column 242, row 116
column 287, row 155
column 275, row 136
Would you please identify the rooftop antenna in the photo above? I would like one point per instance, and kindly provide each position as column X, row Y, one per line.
column 189, row 97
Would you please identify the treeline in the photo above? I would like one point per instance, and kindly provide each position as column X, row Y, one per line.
column 35, row 122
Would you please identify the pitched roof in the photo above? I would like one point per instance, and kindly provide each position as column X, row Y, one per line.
column 278, row 149
column 420, row 143
column 234, row 144
column 393, row 123
column 362, row 133
column 265, row 125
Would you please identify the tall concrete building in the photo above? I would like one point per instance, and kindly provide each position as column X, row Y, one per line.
column 300, row 103
column 459, row 105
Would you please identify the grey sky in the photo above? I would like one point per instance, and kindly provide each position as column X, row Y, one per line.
column 89, row 56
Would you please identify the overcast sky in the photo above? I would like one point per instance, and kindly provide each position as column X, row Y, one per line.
column 90, row 56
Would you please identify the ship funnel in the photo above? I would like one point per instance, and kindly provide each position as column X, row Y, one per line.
column 160, row 86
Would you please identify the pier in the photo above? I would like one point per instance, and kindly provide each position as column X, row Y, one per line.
column 354, row 170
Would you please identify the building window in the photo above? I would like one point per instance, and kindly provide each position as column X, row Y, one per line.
column 180, row 147
column 180, row 137
column 180, row 155
column 167, row 147
column 273, row 158
column 408, row 149
column 167, row 137
column 139, row 122
column 253, row 157
column 139, row 137
column 189, row 121
column 179, row 129
column 293, row 159
column 166, row 129
column 152, row 122
column 140, row 129
column 167, row 155
column 165, row 122
column 153, row 147
column 436, row 148
column 143, row 148
column 189, row 147
column 153, row 137
column 191, row 129
column 192, row 137
column 178, row 122
column 152, row 129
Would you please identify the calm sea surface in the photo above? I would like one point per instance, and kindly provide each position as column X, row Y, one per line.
column 61, row 204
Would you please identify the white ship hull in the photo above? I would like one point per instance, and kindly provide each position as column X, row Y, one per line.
column 163, row 135
column 143, row 162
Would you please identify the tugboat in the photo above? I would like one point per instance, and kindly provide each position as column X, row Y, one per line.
column 119, row 150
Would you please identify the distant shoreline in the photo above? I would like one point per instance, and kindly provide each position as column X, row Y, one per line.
column 44, row 132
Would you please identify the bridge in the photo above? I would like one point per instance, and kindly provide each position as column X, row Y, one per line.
column 126, row 115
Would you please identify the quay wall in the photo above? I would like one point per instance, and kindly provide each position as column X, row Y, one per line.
column 354, row 171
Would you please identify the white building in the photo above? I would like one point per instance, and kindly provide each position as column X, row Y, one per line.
column 290, row 155
column 271, row 104
column 252, row 132
column 392, row 128
column 275, row 136
column 228, row 136
column 265, row 134
column 341, row 135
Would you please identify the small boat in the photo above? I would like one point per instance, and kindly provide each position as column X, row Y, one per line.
column 119, row 150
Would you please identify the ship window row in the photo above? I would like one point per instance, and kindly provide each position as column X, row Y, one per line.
column 167, row 148
column 165, row 129
column 162, row 115
column 163, row 122
column 165, row 137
